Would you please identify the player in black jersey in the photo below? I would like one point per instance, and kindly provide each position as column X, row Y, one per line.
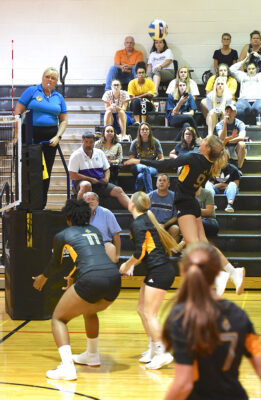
column 196, row 169
column 152, row 243
column 97, row 285
column 208, row 335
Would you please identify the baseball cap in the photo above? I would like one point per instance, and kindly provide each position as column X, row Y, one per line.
column 232, row 106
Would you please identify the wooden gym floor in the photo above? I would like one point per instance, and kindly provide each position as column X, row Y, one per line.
column 27, row 350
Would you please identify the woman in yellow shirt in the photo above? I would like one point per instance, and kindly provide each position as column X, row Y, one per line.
column 141, row 91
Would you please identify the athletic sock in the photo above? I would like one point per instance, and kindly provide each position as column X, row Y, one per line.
column 159, row 347
column 66, row 354
column 92, row 345
column 229, row 268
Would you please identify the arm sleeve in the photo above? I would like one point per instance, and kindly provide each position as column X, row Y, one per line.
column 106, row 164
column 192, row 104
column 131, row 88
column 215, row 55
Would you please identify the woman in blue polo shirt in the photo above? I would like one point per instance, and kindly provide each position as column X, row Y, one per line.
column 49, row 116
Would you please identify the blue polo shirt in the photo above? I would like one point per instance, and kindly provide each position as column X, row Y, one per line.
column 105, row 221
column 45, row 109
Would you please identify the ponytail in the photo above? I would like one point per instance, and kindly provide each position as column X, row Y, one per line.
column 168, row 242
column 142, row 204
column 217, row 154
column 201, row 263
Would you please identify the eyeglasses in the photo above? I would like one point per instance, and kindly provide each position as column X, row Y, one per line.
column 109, row 131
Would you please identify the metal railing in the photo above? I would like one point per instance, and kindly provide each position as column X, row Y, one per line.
column 5, row 190
column 63, row 75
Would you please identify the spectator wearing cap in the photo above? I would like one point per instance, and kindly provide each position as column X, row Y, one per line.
column 233, row 132
column 90, row 172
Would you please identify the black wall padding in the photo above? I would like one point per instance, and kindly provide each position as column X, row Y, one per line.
column 23, row 302
column 32, row 177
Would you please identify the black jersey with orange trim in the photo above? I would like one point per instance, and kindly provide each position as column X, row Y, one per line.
column 216, row 375
column 85, row 247
column 148, row 246
column 195, row 172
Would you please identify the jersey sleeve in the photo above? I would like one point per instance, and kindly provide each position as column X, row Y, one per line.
column 138, row 235
column 179, row 345
column 74, row 165
column 55, row 263
column 252, row 343
column 171, row 163
column 27, row 95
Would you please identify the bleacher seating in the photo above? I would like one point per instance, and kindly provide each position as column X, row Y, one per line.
column 240, row 233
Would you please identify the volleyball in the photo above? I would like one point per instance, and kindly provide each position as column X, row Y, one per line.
column 158, row 29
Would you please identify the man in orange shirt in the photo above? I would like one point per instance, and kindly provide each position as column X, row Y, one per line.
column 124, row 63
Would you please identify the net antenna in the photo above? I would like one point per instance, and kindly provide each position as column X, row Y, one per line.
column 10, row 161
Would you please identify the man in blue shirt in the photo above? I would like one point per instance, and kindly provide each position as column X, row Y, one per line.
column 104, row 220
column 162, row 205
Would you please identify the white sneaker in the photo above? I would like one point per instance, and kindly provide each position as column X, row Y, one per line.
column 159, row 360
column 229, row 208
column 221, row 282
column 147, row 356
column 67, row 372
column 126, row 138
column 92, row 359
column 237, row 277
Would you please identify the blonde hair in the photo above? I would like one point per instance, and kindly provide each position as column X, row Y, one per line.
column 51, row 70
column 176, row 94
column 217, row 154
column 142, row 203
column 225, row 94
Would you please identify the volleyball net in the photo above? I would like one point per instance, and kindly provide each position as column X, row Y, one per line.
column 10, row 162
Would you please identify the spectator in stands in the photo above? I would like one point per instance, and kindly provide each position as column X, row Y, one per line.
column 160, row 64
column 184, row 75
column 104, row 220
column 233, row 132
column 249, row 102
column 162, row 206
column 124, row 63
column 227, row 183
column 116, row 102
column 180, row 108
column 253, row 47
column 148, row 147
column 141, row 91
column 49, row 119
column 225, row 55
column 205, row 197
column 112, row 149
column 217, row 100
column 223, row 71
column 188, row 143
column 90, row 172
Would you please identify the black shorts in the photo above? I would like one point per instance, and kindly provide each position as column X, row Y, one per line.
column 101, row 190
column 97, row 285
column 188, row 207
column 161, row 276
